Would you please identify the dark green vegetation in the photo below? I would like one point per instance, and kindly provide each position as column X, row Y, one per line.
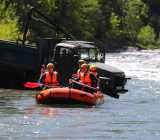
column 112, row 23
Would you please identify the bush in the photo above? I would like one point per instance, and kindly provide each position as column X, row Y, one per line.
column 8, row 23
column 9, row 30
column 146, row 35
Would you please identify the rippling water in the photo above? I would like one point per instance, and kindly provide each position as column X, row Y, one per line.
column 134, row 116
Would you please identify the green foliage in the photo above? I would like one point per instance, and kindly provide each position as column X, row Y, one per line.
column 8, row 23
column 106, row 7
column 115, row 25
column 115, row 32
column 113, row 21
column 77, row 17
column 135, row 11
column 90, row 18
column 68, row 15
column 154, row 11
column 6, row 14
column 9, row 30
column 146, row 35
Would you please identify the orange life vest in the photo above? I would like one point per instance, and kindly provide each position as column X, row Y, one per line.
column 85, row 78
column 51, row 80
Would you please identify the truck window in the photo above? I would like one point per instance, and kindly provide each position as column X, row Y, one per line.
column 101, row 56
column 84, row 54
column 88, row 54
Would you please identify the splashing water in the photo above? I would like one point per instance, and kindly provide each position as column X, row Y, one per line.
column 141, row 65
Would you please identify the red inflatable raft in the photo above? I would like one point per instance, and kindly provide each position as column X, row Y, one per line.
column 67, row 95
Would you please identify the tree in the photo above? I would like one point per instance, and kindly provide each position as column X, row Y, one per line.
column 135, row 12
column 106, row 10
column 8, row 23
column 77, row 17
column 154, row 15
column 146, row 35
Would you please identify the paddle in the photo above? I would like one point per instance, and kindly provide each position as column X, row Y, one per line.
column 33, row 85
column 92, row 89
column 79, row 85
column 37, row 84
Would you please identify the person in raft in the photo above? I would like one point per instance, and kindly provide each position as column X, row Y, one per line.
column 80, row 63
column 93, row 70
column 87, row 77
column 75, row 76
column 50, row 77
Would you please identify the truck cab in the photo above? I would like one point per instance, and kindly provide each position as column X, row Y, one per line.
column 68, row 53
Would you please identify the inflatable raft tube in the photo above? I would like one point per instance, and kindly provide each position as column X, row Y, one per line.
column 67, row 95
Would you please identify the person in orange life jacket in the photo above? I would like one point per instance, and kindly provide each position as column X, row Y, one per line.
column 50, row 77
column 80, row 63
column 93, row 70
column 75, row 76
column 85, row 76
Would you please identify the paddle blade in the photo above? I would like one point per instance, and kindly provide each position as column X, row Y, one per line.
column 32, row 85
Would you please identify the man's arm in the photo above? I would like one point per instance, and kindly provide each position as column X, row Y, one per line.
column 42, row 78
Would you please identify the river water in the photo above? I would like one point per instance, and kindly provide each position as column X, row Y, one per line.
column 135, row 116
